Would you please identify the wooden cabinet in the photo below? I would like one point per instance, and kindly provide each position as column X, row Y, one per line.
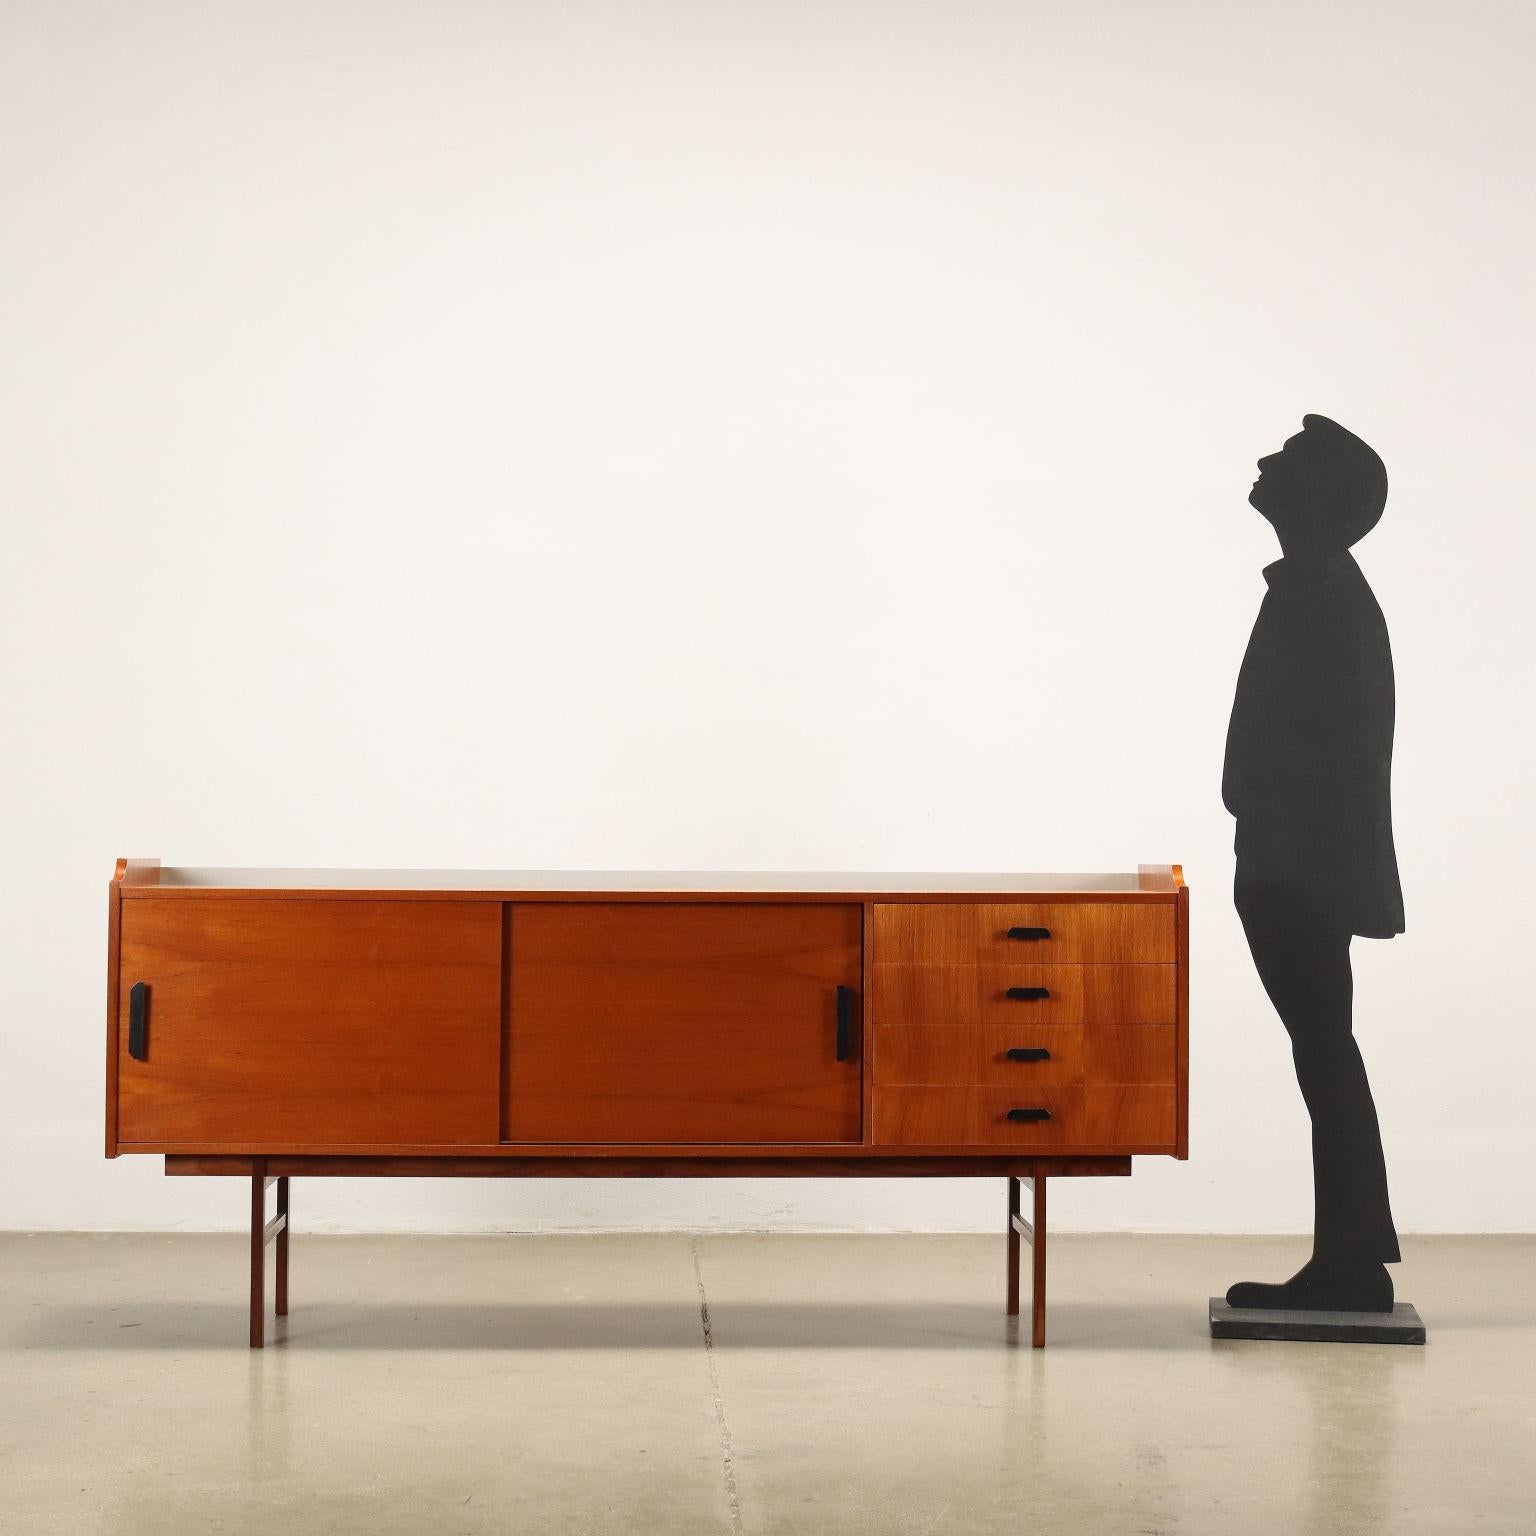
column 346, row 1014
column 271, row 1022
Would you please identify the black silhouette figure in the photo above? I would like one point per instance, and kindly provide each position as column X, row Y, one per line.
column 1308, row 776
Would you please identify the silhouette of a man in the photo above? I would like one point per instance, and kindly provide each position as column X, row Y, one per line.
column 1308, row 776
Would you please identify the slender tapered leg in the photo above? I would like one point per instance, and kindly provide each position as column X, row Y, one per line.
column 1037, row 1277
column 282, row 1247
column 258, row 1253
column 1013, row 1248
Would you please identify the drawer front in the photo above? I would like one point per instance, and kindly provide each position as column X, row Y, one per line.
column 1133, row 1118
column 978, row 933
column 976, row 1117
column 1131, row 1053
column 682, row 1022
column 980, row 994
column 977, row 1055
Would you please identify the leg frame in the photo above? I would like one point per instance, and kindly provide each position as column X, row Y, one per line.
column 262, row 1233
column 1034, row 1231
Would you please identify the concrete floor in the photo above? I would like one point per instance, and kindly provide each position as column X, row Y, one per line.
column 678, row 1384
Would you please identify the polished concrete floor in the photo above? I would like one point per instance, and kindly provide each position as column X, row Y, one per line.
column 681, row 1385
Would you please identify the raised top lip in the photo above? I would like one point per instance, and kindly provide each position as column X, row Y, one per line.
column 149, row 875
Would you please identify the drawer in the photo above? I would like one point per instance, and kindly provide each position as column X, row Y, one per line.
column 1133, row 1118
column 1131, row 1053
column 964, row 1117
column 974, row 1055
column 998, row 933
column 979, row 994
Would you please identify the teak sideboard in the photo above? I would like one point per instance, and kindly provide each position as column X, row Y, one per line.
column 269, row 1023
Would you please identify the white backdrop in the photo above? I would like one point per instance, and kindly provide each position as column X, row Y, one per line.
column 731, row 434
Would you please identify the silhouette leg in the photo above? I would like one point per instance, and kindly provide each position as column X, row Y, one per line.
column 1353, row 1216
column 1304, row 966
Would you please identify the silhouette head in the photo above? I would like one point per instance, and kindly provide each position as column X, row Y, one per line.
column 1323, row 491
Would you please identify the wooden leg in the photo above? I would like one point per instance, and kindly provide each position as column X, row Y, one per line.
column 282, row 1247
column 1013, row 1248
column 1037, row 1278
column 1032, row 1229
column 258, row 1254
column 262, row 1233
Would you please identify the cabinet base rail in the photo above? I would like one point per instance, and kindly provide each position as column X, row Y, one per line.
column 266, row 1173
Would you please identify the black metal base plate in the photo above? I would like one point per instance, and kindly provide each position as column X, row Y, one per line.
column 1402, row 1325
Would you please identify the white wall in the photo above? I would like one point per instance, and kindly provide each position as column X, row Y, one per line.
column 712, row 434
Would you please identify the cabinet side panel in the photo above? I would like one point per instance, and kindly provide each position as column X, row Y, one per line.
column 114, row 947
column 1182, row 1149
column 504, row 1028
column 866, row 1024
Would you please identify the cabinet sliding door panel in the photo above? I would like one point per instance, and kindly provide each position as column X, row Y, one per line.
column 311, row 1023
column 683, row 1022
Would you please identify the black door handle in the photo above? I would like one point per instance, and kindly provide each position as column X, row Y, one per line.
column 1029, row 1114
column 1027, row 994
column 1028, row 1053
column 138, row 1021
column 844, row 1023
column 1029, row 933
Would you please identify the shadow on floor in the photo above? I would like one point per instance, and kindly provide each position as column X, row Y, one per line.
column 589, row 1325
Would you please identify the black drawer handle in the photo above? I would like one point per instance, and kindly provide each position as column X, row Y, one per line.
column 1027, row 994
column 1029, row 933
column 1029, row 1114
column 1028, row 1053
column 844, row 1023
column 138, row 1021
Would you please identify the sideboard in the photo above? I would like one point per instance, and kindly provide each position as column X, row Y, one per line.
column 270, row 1023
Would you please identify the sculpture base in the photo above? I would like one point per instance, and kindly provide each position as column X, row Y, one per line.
column 1402, row 1325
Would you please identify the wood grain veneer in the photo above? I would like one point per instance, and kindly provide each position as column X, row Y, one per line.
column 911, row 1055
column 1100, row 1054
column 1132, row 1118
column 976, row 933
column 1131, row 1053
column 978, row 994
column 697, row 1023
column 307, row 1024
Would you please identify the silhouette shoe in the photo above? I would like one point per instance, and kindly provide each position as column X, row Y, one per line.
column 1321, row 1286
